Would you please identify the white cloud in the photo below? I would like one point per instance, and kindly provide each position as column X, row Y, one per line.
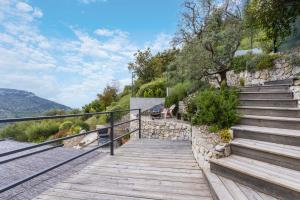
column 24, row 7
column 161, row 42
column 104, row 32
column 90, row 1
column 37, row 12
column 71, row 72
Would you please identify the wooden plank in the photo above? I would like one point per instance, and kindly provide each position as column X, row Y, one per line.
column 250, row 193
column 84, row 179
column 219, row 191
column 234, row 190
column 141, row 169
column 262, row 171
column 151, row 164
column 166, row 169
column 158, row 159
column 195, row 190
column 61, row 194
column 126, row 192
column 148, row 176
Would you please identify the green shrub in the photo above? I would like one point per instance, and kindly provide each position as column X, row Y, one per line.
column 242, row 82
column 241, row 63
column 265, row 61
column 213, row 129
column 253, row 63
column 82, row 125
column 149, row 89
column 65, row 125
column 159, row 92
column 178, row 93
column 190, row 106
column 96, row 120
column 225, row 135
column 217, row 107
column 15, row 131
column 75, row 130
column 40, row 131
column 149, row 93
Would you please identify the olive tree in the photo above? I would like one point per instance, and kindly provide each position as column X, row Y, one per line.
column 210, row 47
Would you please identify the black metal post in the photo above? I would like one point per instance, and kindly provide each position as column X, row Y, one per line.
column 111, row 133
column 140, row 124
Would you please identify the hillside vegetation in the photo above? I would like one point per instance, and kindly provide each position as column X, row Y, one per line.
column 208, row 37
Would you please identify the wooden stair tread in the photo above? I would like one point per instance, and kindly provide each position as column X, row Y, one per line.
column 271, row 118
column 217, row 186
column 280, row 149
column 267, row 130
column 271, row 173
column 264, row 92
column 268, row 108
column 226, row 189
column 268, row 100
column 251, row 86
column 253, row 194
column 234, row 190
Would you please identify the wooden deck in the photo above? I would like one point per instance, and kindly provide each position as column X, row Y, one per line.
column 140, row 169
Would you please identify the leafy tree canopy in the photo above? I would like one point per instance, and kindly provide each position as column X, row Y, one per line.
column 274, row 17
column 209, row 49
column 108, row 96
column 148, row 67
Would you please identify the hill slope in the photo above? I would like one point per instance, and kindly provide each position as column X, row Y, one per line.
column 18, row 103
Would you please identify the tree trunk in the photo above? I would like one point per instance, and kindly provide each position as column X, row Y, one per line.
column 251, row 38
column 223, row 78
column 275, row 48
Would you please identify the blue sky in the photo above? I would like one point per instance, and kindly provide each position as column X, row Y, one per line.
column 68, row 50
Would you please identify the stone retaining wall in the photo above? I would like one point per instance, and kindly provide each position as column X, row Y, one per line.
column 281, row 70
column 206, row 145
column 163, row 129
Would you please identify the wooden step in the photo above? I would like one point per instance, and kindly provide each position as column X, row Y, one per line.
column 265, row 95
column 288, row 81
column 266, row 88
column 272, row 122
column 269, row 111
column 225, row 189
column 274, row 135
column 274, row 180
column 292, row 103
column 278, row 154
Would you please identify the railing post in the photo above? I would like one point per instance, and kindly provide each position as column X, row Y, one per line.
column 111, row 133
column 140, row 124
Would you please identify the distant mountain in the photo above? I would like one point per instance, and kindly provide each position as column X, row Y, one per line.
column 19, row 103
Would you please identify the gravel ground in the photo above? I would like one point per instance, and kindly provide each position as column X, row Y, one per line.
column 21, row 168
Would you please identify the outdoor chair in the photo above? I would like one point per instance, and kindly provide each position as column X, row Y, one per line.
column 156, row 111
column 168, row 111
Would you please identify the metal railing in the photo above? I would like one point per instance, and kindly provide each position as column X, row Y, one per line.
column 111, row 141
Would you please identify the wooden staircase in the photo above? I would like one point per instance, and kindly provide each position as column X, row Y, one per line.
column 265, row 149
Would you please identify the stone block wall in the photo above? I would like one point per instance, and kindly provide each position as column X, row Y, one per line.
column 206, row 145
column 163, row 129
column 281, row 70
